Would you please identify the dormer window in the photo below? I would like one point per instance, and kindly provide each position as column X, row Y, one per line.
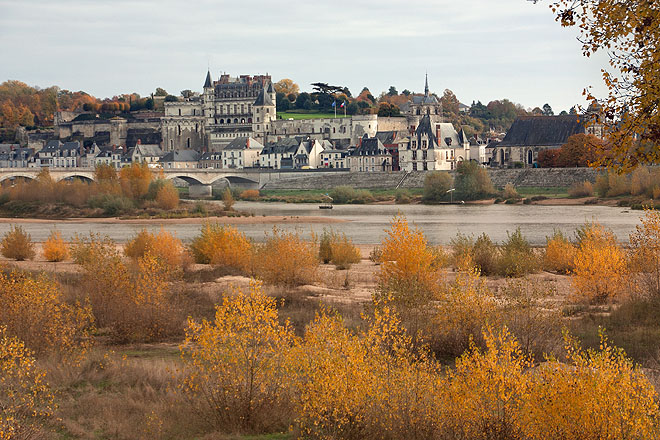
column 414, row 144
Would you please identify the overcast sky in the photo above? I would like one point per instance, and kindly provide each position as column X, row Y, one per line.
column 480, row 49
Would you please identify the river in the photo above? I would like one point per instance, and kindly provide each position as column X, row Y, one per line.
column 365, row 224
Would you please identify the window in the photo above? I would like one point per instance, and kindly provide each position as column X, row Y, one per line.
column 424, row 143
column 179, row 112
column 414, row 166
column 414, row 144
column 414, row 155
column 424, row 154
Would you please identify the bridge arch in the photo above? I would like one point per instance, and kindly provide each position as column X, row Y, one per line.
column 236, row 180
column 87, row 177
column 8, row 176
column 188, row 179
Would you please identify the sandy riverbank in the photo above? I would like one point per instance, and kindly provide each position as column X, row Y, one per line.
column 266, row 219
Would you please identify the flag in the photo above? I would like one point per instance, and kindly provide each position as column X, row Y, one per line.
column 334, row 103
column 342, row 104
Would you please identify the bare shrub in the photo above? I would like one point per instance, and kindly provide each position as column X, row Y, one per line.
column 510, row 192
column 17, row 244
column 584, row 189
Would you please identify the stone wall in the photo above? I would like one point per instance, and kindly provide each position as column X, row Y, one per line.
column 531, row 177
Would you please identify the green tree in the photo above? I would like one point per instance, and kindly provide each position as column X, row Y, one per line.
column 392, row 91
column 472, row 181
column 436, row 185
column 161, row 92
column 547, row 110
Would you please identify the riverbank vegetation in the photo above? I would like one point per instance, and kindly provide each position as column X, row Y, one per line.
column 133, row 191
column 446, row 341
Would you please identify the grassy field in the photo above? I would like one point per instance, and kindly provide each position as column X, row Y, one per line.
column 301, row 114
column 553, row 192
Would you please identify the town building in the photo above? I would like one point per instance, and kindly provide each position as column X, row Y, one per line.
column 370, row 156
column 242, row 152
column 529, row 135
column 180, row 159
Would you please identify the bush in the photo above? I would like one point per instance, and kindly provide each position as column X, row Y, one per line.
column 85, row 250
column 17, row 245
column 222, row 246
column 485, row 255
column 55, row 249
column 584, row 189
column 27, row 399
column 167, row 197
column 436, row 185
column 163, row 246
column 250, row 194
column 645, row 251
column 286, row 259
column 376, row 255
column 344, row 253
column 559, row 254
column 517, row 257
column 510, row 192
column 33, row 309
column 472, row 182
column 402, row 197
column 111, row 204
column 342, row 194
column 325, row 247
column 228, row 199
column 601, row 270
column 244, row 345
column 462, row 251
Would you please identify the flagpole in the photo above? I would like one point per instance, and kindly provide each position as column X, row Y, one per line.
column 344, row 108
column 334, row 104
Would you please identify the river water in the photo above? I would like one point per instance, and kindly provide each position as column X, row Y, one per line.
column 365, row 224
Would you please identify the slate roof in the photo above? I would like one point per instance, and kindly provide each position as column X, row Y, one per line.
column 448, row 137
column 208, row 83
column 286, row 145
column 241, row 143
column 149, row 150
column 263, row 98
column 6, row 148
column 424, row 127
column 370, row 147
column 544, row 131
column 181, row 156
column 270, row 87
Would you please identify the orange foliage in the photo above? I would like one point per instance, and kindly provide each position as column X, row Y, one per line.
column 167, row 196
column 163, row 246
column 250, row 194
column 222, row 246
column 135, row 180
column 17, row 244
column 55, row 249
column 559, row 254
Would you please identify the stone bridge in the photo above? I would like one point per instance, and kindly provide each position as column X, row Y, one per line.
column 200, row 180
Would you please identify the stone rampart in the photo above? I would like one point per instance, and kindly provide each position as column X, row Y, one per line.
column 530, row 177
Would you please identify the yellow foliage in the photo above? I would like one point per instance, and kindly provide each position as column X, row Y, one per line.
column 167, row 196
column 408, row 273
column 286, row 259
column 17, row 244
column 85, row 250
column 33, row 310
column 601, row 269
column 55, row 249
column 486, row 388
column 222, row 246
column 228, row 199
column 26, row 397
column 597, row 395
column 250, row 194
column 238, row 362
column 645, row 250
column 559, row 254
column 338, row 249
column 462, row 309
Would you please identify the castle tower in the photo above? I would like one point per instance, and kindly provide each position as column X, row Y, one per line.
column 263, row 113
column 271, row 92
column 208, row 110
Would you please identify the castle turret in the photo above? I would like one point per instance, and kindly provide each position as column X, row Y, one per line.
column 271, row 91
column 207, row 100
column 263, row 113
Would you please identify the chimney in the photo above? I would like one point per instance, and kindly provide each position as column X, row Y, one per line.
column 139, row 141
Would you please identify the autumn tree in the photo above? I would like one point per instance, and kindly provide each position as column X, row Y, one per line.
column 238, row 363
column 135, row 180
column 601, row 269
column 286, row 259
column 436, row 186
column 287, row 87
column 559, row 254
column 630, row 34
column 579, row 150
column 223, row 246
column 167, row 196
column 17, row 244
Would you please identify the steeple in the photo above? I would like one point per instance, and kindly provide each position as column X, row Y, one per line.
column 207, row 83
column 426, row 86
